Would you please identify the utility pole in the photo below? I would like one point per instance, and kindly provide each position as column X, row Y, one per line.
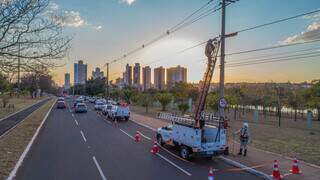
column 107, row 80
column 19, row 82
column 222, row 56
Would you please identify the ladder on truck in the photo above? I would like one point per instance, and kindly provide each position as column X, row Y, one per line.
column 211, row 52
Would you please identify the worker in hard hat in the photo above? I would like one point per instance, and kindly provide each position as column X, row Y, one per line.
column 244, row 138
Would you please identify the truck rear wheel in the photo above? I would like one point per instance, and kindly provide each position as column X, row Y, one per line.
column 184, row 152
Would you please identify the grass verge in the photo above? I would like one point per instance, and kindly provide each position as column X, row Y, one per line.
column 13, row 144
column 19, row 103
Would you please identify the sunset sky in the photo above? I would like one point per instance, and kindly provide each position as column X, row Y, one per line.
column 106, row 29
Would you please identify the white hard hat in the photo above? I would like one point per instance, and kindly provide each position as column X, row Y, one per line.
column 245, row 125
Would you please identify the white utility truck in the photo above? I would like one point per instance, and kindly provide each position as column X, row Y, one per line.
column 203, row 135
column 193, row 142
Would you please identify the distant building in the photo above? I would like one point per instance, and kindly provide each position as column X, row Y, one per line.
column 80, row 73
column 146, row 78
column 159, row 78
column 176, row 74
column 119, row 83
column 128, row 76
column 97, row 73
column 67, row 84
column 136, row 75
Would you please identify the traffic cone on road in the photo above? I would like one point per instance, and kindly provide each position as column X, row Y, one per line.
column 155, row 148
column 137, row 137
column 210, row 174
column 295, row 168
column 276, row 173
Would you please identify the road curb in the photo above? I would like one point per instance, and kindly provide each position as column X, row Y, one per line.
column 27, row 149
column 246, row 168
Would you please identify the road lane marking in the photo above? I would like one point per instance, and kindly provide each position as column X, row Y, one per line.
column 143, row 125
column 72, row 115
column 76, row 122
column 173, row 164
column 99, row 168
column 84, row 138
column 127, row 134
column 144, row 135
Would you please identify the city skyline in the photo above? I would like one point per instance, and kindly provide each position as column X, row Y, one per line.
column 104, row 31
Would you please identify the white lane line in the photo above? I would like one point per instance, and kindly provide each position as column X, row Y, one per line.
column 76, row 122
column 99, row 168
column 127, row 134
column 84, row 138
column 173, row 164
column 144, row 135
column 143, row 125
column 72, row 115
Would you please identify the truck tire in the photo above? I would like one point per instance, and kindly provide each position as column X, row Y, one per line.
column 185, row 152
column 126, row 118
column 159, row 139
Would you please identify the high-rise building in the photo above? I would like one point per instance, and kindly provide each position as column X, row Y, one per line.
column 176, row 74
column 136, row 75
column 128, row 76
column 67, row 81
column 80, row 73
column 146, row 77
column 97, row 73
column 159, row 78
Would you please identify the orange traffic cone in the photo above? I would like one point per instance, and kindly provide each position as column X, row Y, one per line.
column 276, row 173
column 210, row 174
column 137, row 137
column 155, row 148
column 295, row 168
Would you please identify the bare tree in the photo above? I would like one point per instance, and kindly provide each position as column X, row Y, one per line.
column 28, row 32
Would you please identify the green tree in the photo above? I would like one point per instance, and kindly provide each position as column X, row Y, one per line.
column 96, row 86
column 145, row 100
column 183, row 107
column 164, row 99
column 212, row 101
column 127, row 94
column 312, row 96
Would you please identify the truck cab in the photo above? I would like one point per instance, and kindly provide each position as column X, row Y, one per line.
column 207, row 142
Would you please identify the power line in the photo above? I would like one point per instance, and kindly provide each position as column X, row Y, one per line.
column 173, row 29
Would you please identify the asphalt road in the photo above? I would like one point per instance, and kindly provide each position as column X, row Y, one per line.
column 11, row 121
column 87, row 146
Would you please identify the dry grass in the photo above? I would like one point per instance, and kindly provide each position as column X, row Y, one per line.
column 19, row 103
column 291, row 139
column 13, row 144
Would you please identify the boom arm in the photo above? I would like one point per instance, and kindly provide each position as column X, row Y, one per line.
column 211, row 52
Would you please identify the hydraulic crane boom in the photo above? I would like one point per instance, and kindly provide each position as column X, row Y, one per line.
column 211, row 52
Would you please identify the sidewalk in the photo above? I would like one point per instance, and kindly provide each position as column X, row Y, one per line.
column 257, row 159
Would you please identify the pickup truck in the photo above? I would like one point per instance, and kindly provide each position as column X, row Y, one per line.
column 207, row 142
column 118, row 112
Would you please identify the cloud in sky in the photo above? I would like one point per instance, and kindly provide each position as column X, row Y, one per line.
column 98, row 28
column 70, row 19
column 312, row 33
column 129, row 2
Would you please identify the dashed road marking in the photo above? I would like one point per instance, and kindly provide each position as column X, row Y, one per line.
column 72, row 115
column 103, row 177
column 144, row 135
column 76, row 122
column 84, row 138
column 173, row 164
column 127, row 134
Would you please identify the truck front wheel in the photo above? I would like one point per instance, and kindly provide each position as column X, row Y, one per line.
column 184, row 152
column 159, row 139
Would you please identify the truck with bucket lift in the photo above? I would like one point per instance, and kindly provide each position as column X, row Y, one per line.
column 201, row 135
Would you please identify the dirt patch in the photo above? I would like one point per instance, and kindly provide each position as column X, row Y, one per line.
column 13, row 144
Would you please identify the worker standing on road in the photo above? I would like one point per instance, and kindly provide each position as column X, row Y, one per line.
column 244, row 138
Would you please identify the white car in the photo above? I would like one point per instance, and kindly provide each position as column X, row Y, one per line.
column 99, row 106
column 118, row 112
column 106, row 108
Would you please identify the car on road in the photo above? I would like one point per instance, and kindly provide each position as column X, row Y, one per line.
column 61, row 105
column 60, row 99
column 106, row 108
column 119, row 112
column 79, row 100
column 99, row 105
column 81, row 107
